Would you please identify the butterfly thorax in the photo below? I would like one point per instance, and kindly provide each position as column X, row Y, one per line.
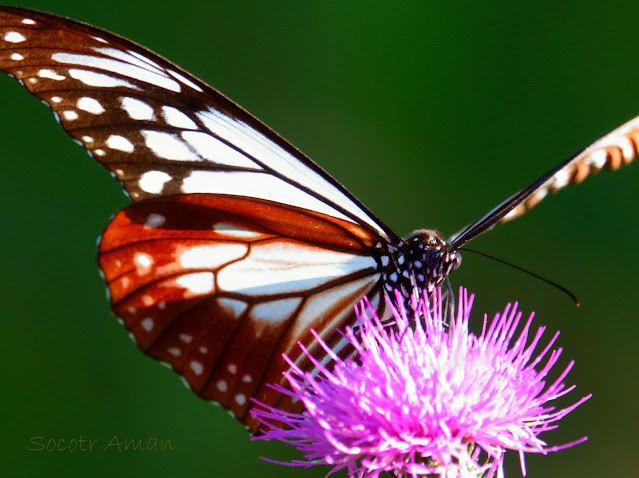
column 423, row 260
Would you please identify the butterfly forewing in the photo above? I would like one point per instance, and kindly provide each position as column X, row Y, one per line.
column 157, row 128
column 220, row 287
column 616, row 149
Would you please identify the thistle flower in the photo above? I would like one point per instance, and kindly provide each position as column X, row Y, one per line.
column 425, row 398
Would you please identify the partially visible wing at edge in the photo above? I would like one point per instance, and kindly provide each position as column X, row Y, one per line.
column 617, row 148
column 160, row 130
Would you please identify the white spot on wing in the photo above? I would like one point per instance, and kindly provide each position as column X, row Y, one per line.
column 168, row 146
column 222, row 386
column 184, row 80
column 14, row 37
column 186, row 338
column 153, row 181
column 147, row 324
column 154, row 220
column 215, row 150
column 257, row 185
column 119, row 67
column 231, row 230
column 197, row 283
column 626, row 147
column 176, row 118
column 233, row 307
column 128, row 58
column 137, row 109
column 56, row 99
column 240, row 399
column 17, row 56
column 91, row 78
column 70, row 115
column 90, row 105
column 196, row 367
column 247, row 379
column 541, row 194
column 176, row 352
column 211, row 256
column 52, row 75
column 561, row 178
column 120, row 143
column 274, row 311
column 232, row 368
column 143, row 260
column 87, row 139
column 289, row 267
column 145, row 60
column 28, row 21
column 598, row 158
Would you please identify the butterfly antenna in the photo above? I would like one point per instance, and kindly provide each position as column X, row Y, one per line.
column 526, row 271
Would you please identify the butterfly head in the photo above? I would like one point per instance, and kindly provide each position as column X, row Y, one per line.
column 430, row 257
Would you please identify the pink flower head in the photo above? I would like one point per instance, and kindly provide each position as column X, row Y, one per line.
column 425, row 398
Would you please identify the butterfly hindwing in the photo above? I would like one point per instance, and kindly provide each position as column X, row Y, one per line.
column 220, row 287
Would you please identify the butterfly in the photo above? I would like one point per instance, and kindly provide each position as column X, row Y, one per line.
column 236, row 244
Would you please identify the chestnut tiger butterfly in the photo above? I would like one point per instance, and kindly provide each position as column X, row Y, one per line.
column 236, row 244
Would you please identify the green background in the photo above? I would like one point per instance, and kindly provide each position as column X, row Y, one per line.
column 431, row 113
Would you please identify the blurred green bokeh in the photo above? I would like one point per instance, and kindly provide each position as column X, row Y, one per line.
column 431, row 113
